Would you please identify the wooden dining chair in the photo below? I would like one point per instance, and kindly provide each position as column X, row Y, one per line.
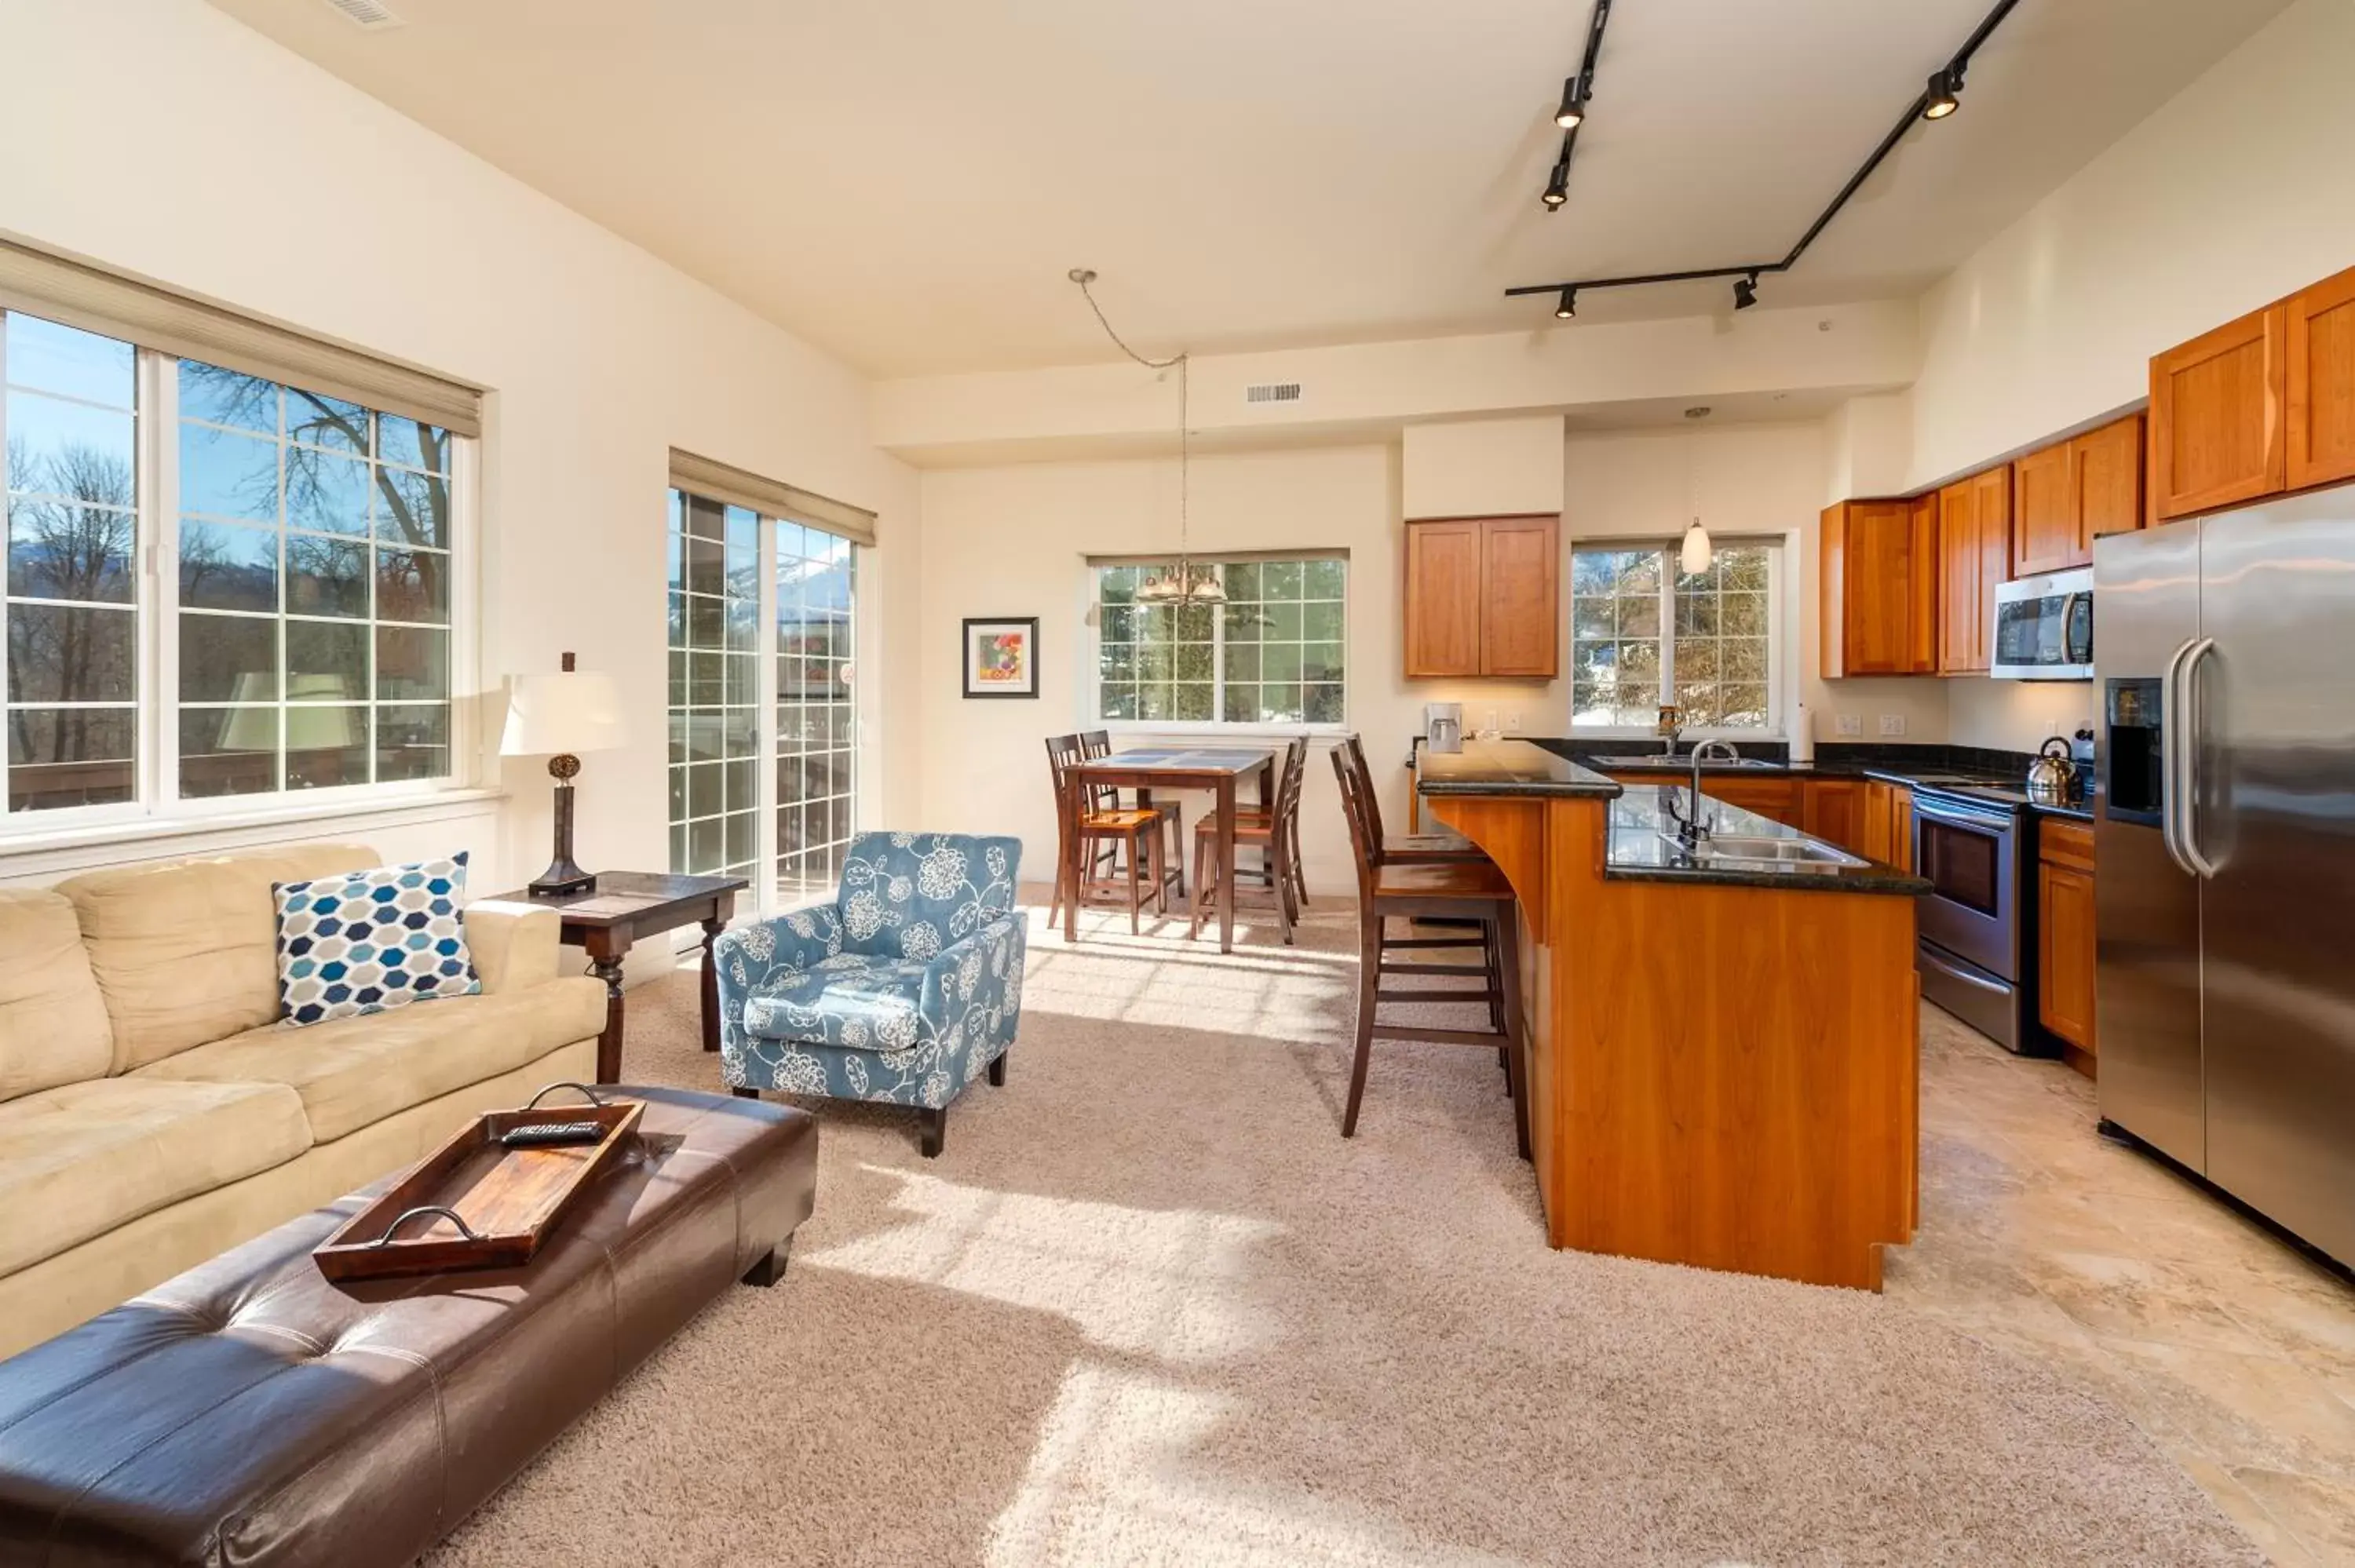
column 1095, row 743
column 1136, row 833
column 1436, row 845
column 1274, row 833
column 1432, row 889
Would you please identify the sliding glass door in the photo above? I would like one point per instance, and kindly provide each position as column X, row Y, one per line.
column 763, row 715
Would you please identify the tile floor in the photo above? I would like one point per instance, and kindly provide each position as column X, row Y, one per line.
column 2233, row 1351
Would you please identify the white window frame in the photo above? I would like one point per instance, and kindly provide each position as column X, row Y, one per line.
column 1780, row 621
column 158, row 809
column 1090, row 683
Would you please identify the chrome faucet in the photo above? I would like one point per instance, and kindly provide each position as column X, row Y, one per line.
column 1692, row 832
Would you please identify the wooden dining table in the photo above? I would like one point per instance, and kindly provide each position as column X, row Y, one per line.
column 1215, row 768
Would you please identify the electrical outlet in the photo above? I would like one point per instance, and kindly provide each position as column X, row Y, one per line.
column 1892, row 724
column 1850, row 723
column 1513, row 724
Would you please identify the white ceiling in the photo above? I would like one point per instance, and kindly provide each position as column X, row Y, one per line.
column 905, row 182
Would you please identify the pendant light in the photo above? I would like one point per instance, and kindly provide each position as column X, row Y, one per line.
column 1188, row 581
column 1696, row 552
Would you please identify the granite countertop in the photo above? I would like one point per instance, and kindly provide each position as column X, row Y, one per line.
column 1981, row 785
column 1639, row 852
column 1508, row 767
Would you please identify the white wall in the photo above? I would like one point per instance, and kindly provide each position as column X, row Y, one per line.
column 220, row 164
column 1482, row 468
column 2236, row 193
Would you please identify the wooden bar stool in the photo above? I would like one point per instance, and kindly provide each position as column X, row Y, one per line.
column 1095, row 743
column 1134, row 832
column 1274, row 833
column 1427, row 889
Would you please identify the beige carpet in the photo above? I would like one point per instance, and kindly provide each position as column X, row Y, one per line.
column 1149, row 1308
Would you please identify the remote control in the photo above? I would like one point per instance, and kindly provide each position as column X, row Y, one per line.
column 552, row 1134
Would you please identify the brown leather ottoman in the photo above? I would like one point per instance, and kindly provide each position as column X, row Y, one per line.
column 250, row 1412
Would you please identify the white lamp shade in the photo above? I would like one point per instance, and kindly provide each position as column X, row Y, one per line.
column 549, row 714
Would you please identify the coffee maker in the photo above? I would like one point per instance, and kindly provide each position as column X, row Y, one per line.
column 1443, row 726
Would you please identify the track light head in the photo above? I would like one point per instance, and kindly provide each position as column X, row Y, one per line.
column 1573, row 103
column 1745, row 291
column 1943, row 97
column 1567, row 306
column 1557, row 189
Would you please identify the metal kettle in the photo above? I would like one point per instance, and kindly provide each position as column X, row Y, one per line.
column 2052, row 777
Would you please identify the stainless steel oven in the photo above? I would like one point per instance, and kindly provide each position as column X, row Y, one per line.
column 1969, row 922
column 2044, row 628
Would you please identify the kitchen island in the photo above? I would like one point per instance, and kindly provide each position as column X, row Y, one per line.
column 1722, row 1035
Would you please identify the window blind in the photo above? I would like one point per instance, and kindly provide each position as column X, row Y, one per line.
column 78, row 295
column 721, row 481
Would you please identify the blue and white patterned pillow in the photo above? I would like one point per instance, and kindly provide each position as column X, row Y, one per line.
column 372, row 940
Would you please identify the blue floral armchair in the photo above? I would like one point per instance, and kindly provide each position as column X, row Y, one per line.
column 900, row 990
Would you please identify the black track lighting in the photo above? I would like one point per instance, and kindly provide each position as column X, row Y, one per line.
column 1943, row 97
column 1557, row 189
column 1573, row 103
column 1745, row 291
column 1567, row 306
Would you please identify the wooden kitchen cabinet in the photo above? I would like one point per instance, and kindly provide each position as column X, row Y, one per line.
column 2065, row 936
column 2320, row 334
column 1973, row 557
column 1834, row 811
column 1484, row 598
column 2105, row 482
column 1773, row 797
column 1878, row 563
column 2218, row 434
column 2066, row 495
column 1888, row 824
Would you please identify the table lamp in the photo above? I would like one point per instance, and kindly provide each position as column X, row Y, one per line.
column 558, row 717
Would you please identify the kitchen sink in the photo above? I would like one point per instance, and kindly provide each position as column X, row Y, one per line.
column 1732, row 849
column 1654, row 762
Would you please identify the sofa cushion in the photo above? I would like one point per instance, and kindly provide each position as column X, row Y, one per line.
column 351, row 1072
column 852, row 1001
column 52, row 1020
column 186, row 952
column 369, row 941
column 78, row 1161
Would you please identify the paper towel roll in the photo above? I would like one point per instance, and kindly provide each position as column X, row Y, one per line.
column 1803, row 734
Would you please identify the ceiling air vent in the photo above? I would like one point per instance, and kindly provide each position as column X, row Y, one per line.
column 1272, row 392
column 373, row 15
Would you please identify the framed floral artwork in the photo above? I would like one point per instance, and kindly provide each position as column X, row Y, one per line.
column 1001, row 657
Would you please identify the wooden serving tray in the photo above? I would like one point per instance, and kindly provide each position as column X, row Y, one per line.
column 506, row 1201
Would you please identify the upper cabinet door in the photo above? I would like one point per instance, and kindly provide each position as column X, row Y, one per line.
column 1877, row 616
column 1924, row 574
column 2321, row 333
column 2045, row 511
column 1958, row 576
column 2218, row 436
column 2106, row 467
column 1991, row 493
column 1443, row 599
column 1519, row 609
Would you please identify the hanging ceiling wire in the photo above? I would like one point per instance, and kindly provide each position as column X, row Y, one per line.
column 1181, row 585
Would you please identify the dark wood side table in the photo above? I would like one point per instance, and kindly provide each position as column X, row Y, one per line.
column 607, row 921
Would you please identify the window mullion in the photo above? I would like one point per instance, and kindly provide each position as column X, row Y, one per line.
column 1667, row 629
column 159, row 512
column 1218, row 661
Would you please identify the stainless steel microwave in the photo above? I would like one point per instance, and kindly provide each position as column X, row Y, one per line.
column 2044, row 628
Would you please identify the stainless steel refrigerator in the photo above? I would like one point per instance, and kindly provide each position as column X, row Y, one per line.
column 2224, row 881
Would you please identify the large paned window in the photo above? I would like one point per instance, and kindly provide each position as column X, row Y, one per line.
column 764, row 718
column 72, row 605
column 218, row 586
column 1644, row 634
column 1273, row 652
column 313, row 554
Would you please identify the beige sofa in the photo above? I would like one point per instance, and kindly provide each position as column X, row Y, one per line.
column 153, row 1114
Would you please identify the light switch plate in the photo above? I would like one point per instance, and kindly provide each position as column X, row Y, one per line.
column 1892, row 724
column 1851, row 724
